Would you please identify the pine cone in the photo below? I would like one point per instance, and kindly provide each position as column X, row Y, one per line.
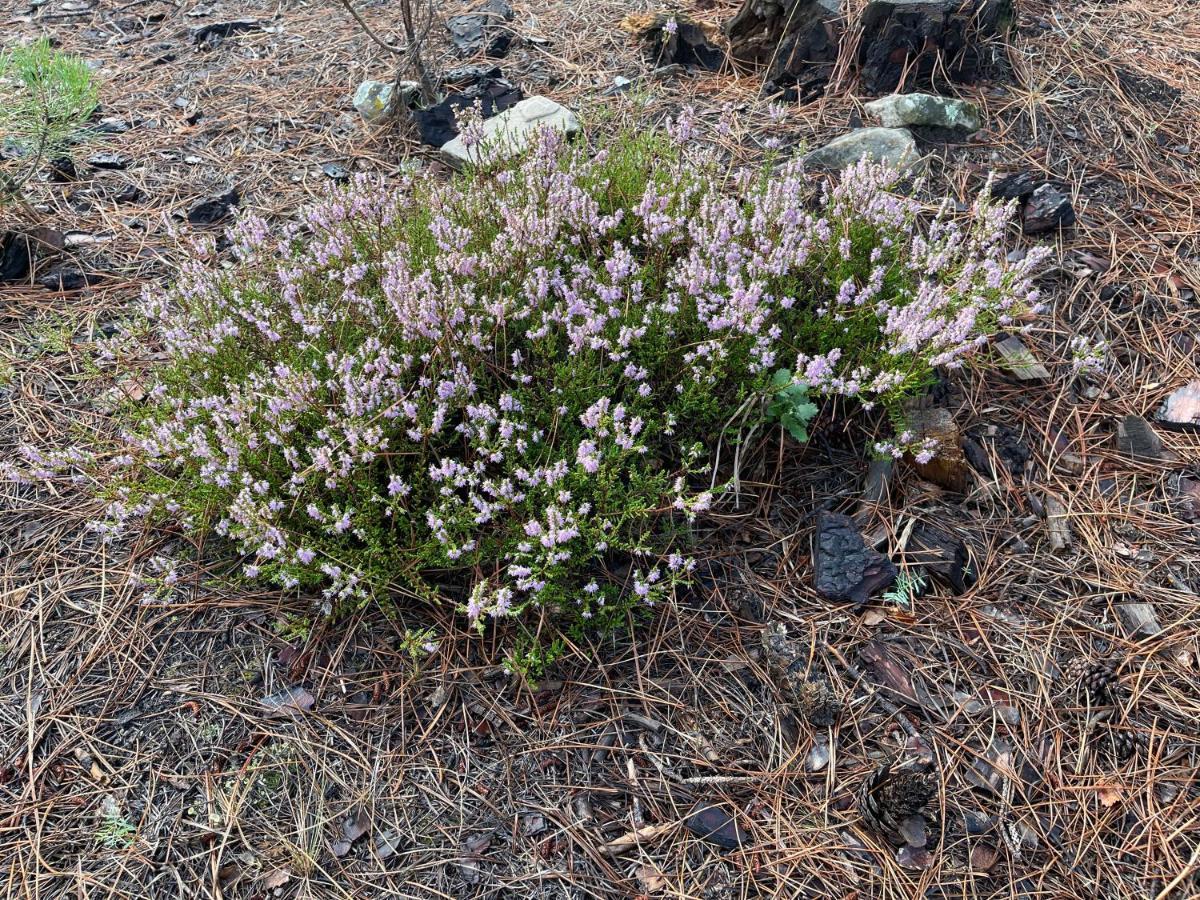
column 811, row 695
column 889, row 796
column 1126, row 742
column 1096, row 680
column 820, row 705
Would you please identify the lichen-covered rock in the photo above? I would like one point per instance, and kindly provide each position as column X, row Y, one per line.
column 894, row 146
column 898, row 110
column 376, row 100
column 511, row 131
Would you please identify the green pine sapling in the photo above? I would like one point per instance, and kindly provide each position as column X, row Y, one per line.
column 48, row 96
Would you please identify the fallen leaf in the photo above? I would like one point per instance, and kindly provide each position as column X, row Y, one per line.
column 288, row 702
column 627, row 842
column 277, row 879
column 650, row 878
column 983, row 857
column 914, row 858
column 715, row 825
column 1109, row 794
column 356, row 825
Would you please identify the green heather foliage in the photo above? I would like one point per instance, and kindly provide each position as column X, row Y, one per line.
column 503, row 390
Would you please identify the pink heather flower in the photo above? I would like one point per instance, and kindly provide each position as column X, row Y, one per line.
column 511, row 356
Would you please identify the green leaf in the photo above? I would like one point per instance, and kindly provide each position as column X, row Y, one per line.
column 790, row 406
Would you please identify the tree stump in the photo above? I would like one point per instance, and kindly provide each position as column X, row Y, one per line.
column 897, row 44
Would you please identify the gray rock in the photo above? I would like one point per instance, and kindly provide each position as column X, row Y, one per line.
column 897, row 110
column 376, row 100
column 895, row 147
column 510, row 132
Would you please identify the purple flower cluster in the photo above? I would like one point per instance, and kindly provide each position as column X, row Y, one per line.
column 501, row 381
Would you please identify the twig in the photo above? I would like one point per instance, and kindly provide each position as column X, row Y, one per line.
column 398, row 51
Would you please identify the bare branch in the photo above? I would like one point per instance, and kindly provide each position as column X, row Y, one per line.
column 398, row 51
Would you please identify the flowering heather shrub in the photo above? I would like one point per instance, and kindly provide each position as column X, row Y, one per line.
column 509, row 383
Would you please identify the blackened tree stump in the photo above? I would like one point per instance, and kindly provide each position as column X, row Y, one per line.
column 897, row 44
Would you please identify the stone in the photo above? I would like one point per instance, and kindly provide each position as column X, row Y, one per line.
column 510, row 132
column 895, row 147
column 335, row 171
column 710, row 822
column 1047, row 209
column 845, row 569
column 896, row 110
column 213, row 209
column 900, row 44
column 1181, row 410
column 484, row 30
column 376, row 100
column 106, row 160
column 1136, row 438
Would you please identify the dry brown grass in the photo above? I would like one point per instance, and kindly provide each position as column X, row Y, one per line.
column 476, row 785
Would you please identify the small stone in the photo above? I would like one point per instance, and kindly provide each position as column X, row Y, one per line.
column 912, row 829
column 1048, row 209
column 819, row 756
column 1181, row 410
column 712, row 823
column 1136, row 438
column 107, row 161
column 213, row 209
column 63, row 278
column 509, row 133
column 894, row 147
column 336, row 171
column 620, row 84
column 897, row 110
column 376, row 100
